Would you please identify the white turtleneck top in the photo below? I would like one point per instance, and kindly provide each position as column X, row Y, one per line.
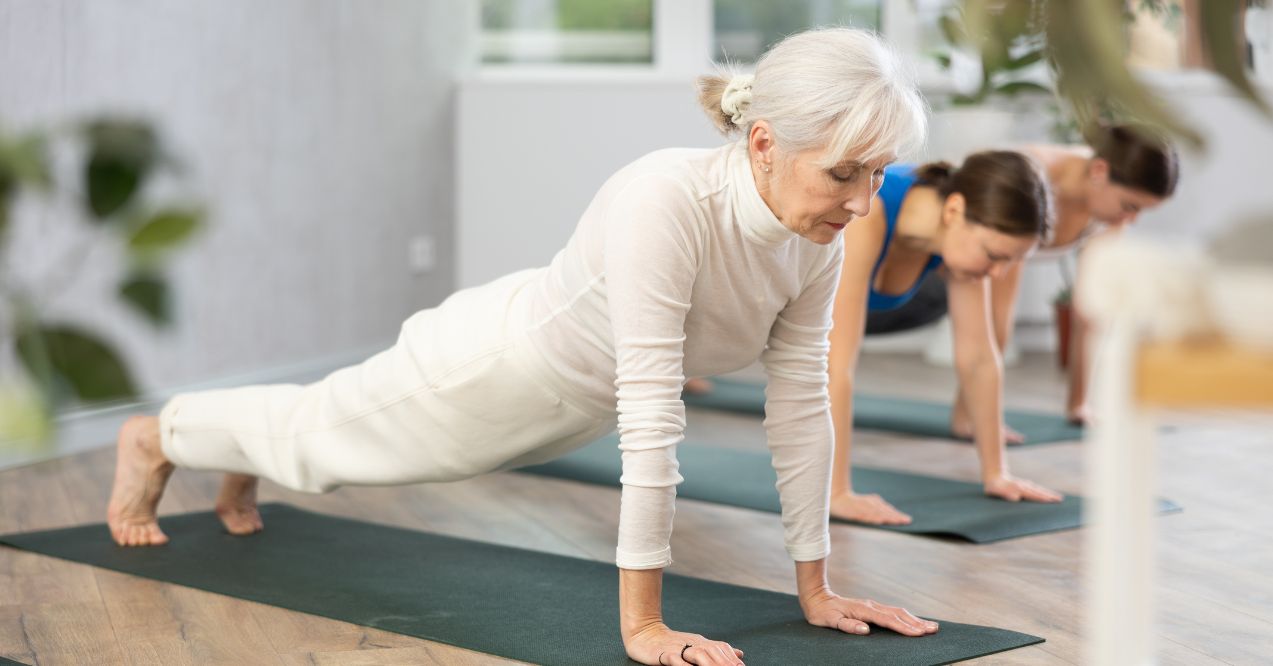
column 678, row 268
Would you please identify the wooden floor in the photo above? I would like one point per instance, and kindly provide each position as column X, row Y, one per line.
column 1215, row 579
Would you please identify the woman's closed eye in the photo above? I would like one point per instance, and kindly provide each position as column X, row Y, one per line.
column 844, row 175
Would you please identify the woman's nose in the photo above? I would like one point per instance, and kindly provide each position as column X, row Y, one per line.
column 859, row 203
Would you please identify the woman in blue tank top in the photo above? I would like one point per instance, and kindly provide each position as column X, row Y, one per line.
column 1098, row 189
column 971, row 225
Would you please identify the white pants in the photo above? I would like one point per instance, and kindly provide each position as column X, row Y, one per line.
column 461, row 393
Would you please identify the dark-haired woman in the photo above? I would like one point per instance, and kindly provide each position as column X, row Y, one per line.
column 1099, row 188
column 972, row 225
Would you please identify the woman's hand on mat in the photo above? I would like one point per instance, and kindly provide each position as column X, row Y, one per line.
column 1015, row 490
column 656, row 644
column 961, row 428
column 853, row 616
column 1078, row 416
column 869, row 509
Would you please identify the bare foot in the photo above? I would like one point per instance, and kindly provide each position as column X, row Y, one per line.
column 141, row 471
column 870, row 509
column 699, row 385
column 236, row 505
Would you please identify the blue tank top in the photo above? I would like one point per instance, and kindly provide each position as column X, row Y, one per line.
column 898, row 180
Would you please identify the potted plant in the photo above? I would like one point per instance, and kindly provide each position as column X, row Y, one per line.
column 62, row 363
column 996, row 51
column 1063, row 308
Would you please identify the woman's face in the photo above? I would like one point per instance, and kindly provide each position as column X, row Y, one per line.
column 811, row 200
column 1114, row 204
column 974, row 251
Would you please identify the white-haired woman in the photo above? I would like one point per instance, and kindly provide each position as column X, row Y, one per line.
column 687, row 261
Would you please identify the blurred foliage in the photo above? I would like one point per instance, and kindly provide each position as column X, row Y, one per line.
column 1087, row 50
column 1007, row 39
column 64, row 363
column 1084, row 43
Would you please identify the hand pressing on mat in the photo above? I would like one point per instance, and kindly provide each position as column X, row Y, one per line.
column 824, row 608
column 1013, row 489
column 870, row 509
column 1078, row 416
column 657, row 644
column 648, row 640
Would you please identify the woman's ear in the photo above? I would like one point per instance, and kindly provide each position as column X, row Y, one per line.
column 760, row 144
column 1098, row 171
column 952, row 210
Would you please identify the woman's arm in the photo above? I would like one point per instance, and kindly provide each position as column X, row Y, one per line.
column 800, row 435
column 1003, row 305
column 980, row 370
column 862, row 242
column 652, row 251
column 1080, row 331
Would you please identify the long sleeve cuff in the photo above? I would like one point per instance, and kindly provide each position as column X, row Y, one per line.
column 810, row 552
column 657, row 560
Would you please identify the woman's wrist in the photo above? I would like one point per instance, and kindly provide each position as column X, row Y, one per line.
column 640, row 601
column 811, row 580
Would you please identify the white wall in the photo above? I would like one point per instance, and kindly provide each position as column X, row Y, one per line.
column 532, row 151
column 318, row 133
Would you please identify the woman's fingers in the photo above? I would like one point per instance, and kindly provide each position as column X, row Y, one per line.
column 897, row 619
column 869, row 509
column 710, row 653
column 1037, row 493
column 851, row 626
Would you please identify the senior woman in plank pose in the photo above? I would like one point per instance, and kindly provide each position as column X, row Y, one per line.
column 686, row 262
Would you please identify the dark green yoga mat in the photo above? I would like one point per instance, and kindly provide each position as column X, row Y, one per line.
column 938, row 507
column 4, row 661
column 915, row 417
column 515, row 603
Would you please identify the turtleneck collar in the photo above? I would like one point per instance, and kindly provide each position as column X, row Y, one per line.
column 759, row 224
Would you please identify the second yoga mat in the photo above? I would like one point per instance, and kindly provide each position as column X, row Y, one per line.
column 520, row 604
column 938, row 507
column 915, row 417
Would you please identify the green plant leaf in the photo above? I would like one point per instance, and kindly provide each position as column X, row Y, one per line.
column 111, row 184
column 1017, row 87
column 149, row 295
column 1024, row 61
column 1221, row 36
column 952, row 29
column 6, row 188
column 26, row 160
column 122, row 153
column 164, row 230
column 76, row 359
column 25, row 422
column 1085, row 46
